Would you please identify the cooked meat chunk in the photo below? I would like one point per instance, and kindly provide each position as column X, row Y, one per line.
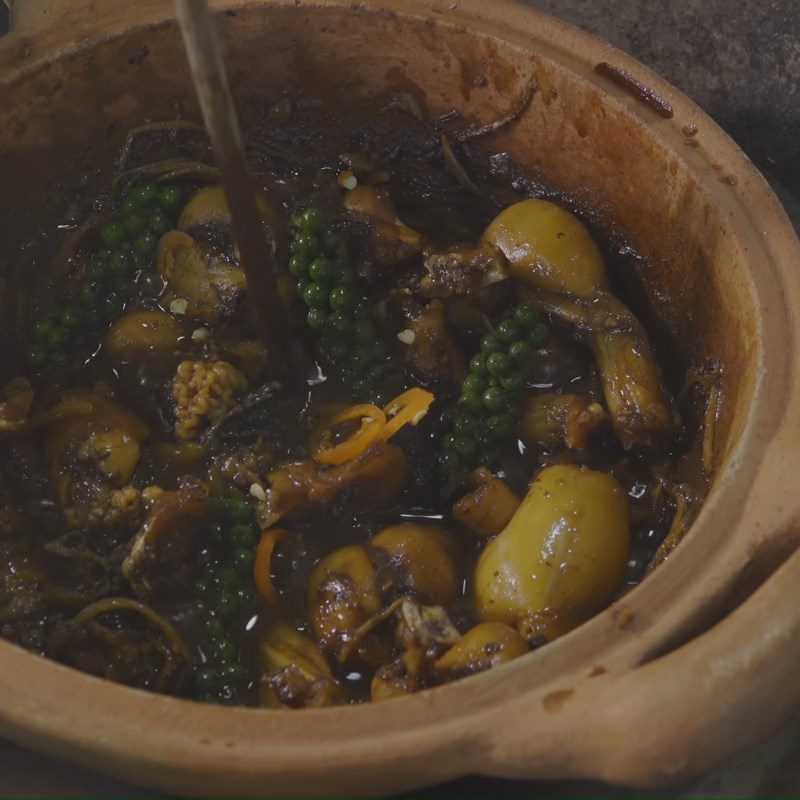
column 159, row 557
column 463, row 271
column 432, row 350
column 489, row 507
column 369, row 480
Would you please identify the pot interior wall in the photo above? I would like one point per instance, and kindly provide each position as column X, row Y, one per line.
column 71, row 116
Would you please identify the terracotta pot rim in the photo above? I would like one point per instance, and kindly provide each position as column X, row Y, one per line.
column 52, row 697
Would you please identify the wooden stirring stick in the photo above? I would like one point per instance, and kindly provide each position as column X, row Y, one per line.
column 257, row 254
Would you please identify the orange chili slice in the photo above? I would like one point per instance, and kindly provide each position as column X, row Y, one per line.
column 262, row 567
column 408, row 407
column 372, row 421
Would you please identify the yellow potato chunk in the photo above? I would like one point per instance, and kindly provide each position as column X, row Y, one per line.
column 548, row 248
column 142, row 332
column 426, row 556
column 562, row 556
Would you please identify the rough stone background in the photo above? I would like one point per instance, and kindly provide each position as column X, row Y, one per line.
column 740, row 61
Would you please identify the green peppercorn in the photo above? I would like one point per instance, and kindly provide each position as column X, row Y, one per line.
column 513, row 382
column 112, row 233
column 525, row 316
column 129, row 206
column 343, row 298
column 449, row 442
column 214, row 627
column 360, row 359
column 223, row 650
column 242, row 561
column 233, row 675
column 508, row 331
column 242, row 536
column 451, row 463
column 158, row 222
column 491, row 344
column 500, row 425
column 98, row 270
column 145, row 194
column 170, row 197
column 113, row 305
column 477, row 364
column 306, row 245
column 58, row 337
column 217, row 532
column 245, row 596
column 499, row 364
column 316, row 295
column 207, row 679
column 238, row 511
column 463, row 447
column 226, row 603
column 364, row 332
column 37, row 355
column 145, row 244
column 538, row 335
column 321, row 270
column 120, row 263
column 496, row 399
column 298, row 267
column 301, row 285
column 520, row 351
column 71, row 318
column 337, row 350
column 465, row 425
column 104, row 254
column 225, row 578
column 317, row 318
column 312, row 220
column 473, row 383
column 472, row 402
column 135, row 224
column 338, row 324
column 41, row 330
column 89, row 292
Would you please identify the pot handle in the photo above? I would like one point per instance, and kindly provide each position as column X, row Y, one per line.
column 672, row 718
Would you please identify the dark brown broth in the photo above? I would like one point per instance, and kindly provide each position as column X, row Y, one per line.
column 428, row 199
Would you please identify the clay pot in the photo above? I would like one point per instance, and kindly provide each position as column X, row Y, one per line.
column 694, row 665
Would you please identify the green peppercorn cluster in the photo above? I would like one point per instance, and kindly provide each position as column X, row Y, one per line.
column 117, row 271
column 224, row 590
column 489, row 404
column 326, row 281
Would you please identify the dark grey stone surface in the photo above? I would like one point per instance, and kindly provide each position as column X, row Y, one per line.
column 738, row 59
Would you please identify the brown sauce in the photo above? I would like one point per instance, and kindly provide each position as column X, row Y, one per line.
column 76, row 492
